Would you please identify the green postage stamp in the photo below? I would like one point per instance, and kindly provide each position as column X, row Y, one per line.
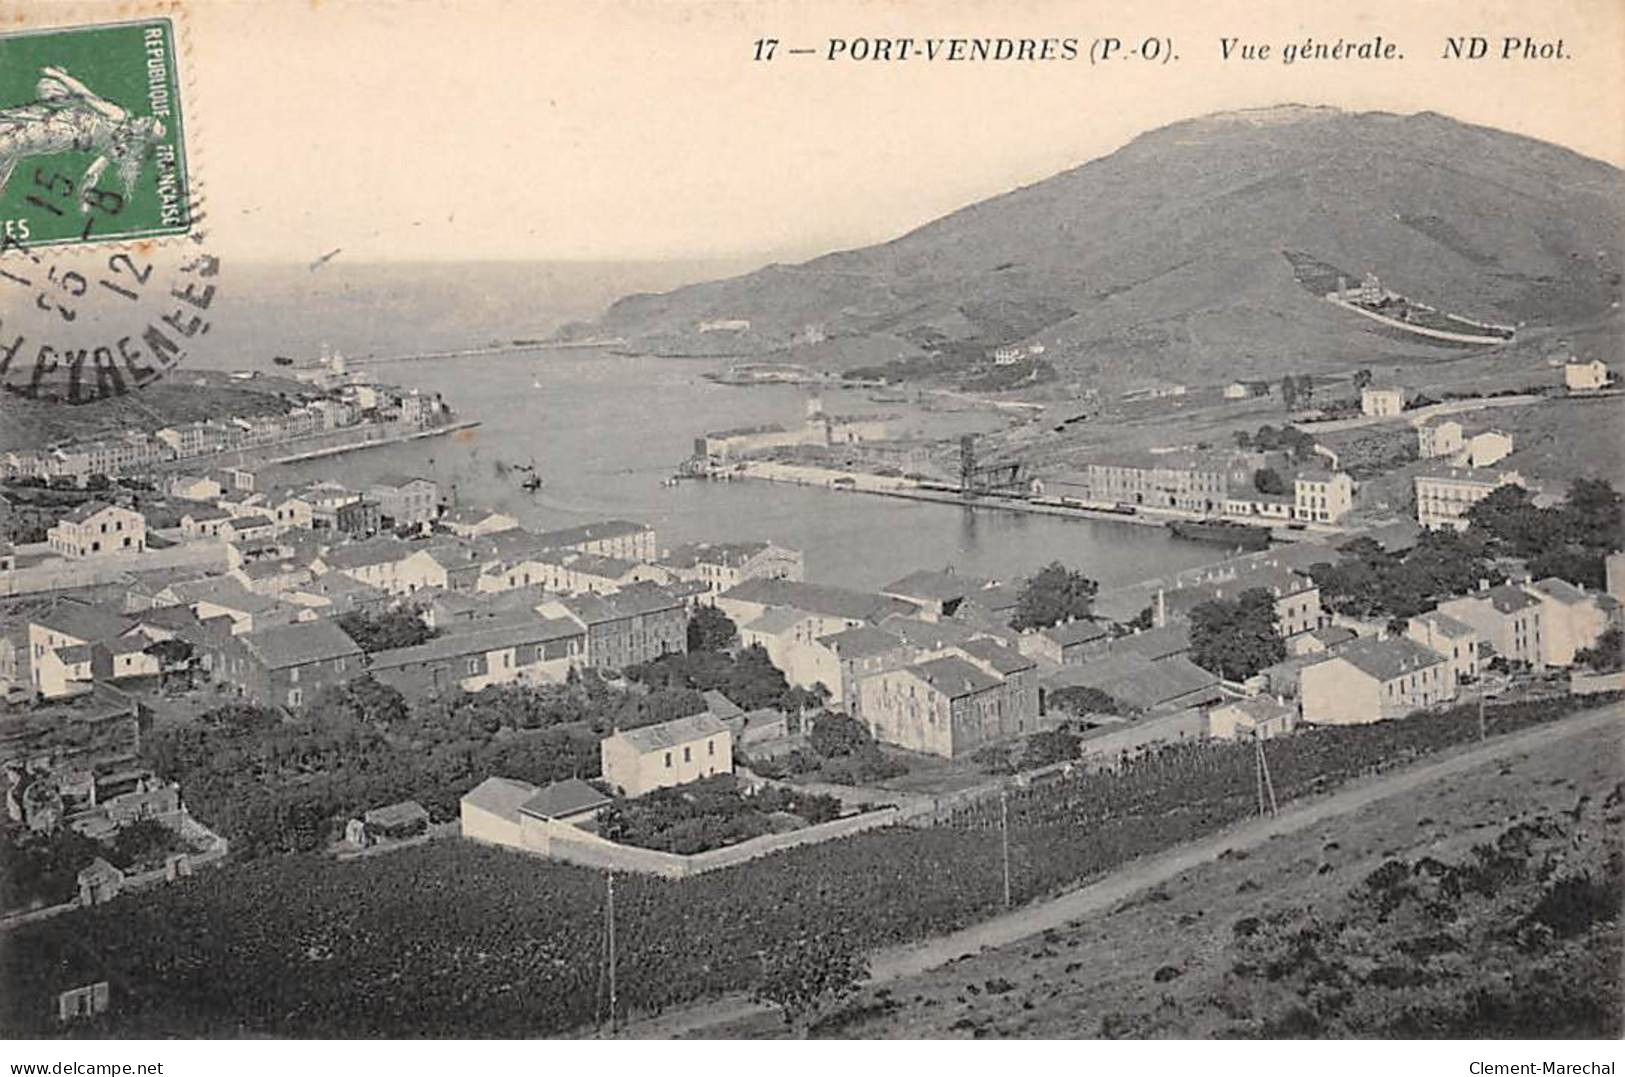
column 91, row 135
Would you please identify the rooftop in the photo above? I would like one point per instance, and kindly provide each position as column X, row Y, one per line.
column 500, row 796
column 1561, row 590
column 1447, row 626
column 954, row 677
column 863, row 641
column 678, row 731
column 777, row 621
column 940, row 586
column 726, row 554
column 1385, row 659
column 593, row 532
column 1075, row 632
column 1006, row 660
column 84, row 512
column 299, row 644
column 1156, row 643
column 407, row 811
column 381, row 550
column 571, row 796
column 476, row 639
column 820, row 598
column 81, row 621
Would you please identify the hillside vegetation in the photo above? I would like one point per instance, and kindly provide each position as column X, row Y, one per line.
column 1168, row 255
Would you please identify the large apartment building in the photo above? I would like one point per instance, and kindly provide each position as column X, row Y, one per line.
column 1444, row 495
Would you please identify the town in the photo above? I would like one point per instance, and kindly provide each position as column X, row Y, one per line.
column 591, row 696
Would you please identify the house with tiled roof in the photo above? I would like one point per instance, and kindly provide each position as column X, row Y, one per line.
column 60, row 645
column 96, row 528
column 840, row 606
column 638, row 761
column 947, row 706
column 471, row 522
column 1296, row 595
column 405, row 500
column 1372, row 679
column 570, row 801
column 1260, row 717
column 722, row 565
column 286, row 666
column 524, row 649
column 841, row 660
column 1455, row 641
column 1571, row 618
column 634, row 625
column 1069, row 643
column 1507, row 618
column 936, row 593
column 490, row 811
column 1139, row 684
column 608, row 538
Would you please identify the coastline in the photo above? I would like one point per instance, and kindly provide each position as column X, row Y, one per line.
column 910, row 490
column 254, row 456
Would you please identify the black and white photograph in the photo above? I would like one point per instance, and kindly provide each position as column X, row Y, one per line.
column 759, row 520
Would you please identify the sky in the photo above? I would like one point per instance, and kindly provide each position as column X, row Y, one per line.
column 614, row 130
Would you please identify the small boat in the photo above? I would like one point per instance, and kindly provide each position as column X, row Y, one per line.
column 282, row 360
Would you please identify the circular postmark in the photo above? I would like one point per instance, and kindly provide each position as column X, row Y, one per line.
column 83, row 324
column 105, row 284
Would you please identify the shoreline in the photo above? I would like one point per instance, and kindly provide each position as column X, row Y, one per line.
column 396, row 439
column 251, row 457
column 909, row 490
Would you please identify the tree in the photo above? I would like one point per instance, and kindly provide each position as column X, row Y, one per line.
column 1509, row 519
column 363, row 700
column 804, row 975
column 386, row 631
column 1049, row 747
column 836, row 735
column 1081, row 700
column 1607, row 655
column 1289, row 392
column 1592, row 516
column 711, row 630
column 1266, row 480
column 1362, row 378
column 1052, row 595
column 1236, row 639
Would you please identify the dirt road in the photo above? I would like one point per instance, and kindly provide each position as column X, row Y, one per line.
column 1103, row 894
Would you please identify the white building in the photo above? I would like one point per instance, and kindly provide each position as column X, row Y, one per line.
column 98, row 528
column 1571, row 619
column 1486, row 449
column 1453, row 640
column 1438, row 439
column 1586, row 377
column 1322, row 496
column 1382, row 402
column 638, row 761
column 1371, row 679
column 1443, row 496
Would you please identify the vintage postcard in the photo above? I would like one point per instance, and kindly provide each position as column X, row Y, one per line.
column 843, row 521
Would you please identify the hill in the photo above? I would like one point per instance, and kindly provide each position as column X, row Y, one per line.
column 186, row 396
column 1171, row 254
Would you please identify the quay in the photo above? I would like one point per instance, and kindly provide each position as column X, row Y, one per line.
column 912, row 490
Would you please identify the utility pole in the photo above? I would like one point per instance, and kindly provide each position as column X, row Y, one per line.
column 1483, row 729
column 609, row 938
column 1266, row 784
column 1004, row 836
